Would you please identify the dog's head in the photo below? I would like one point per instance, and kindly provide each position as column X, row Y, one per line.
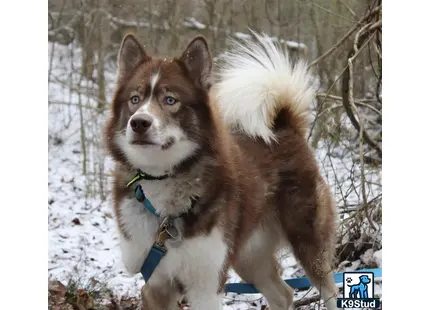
column 364, row 279
column 160, row 110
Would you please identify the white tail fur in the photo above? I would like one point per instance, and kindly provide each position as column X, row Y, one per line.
column 256, row 81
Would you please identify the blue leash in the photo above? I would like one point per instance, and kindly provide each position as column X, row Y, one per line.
column 158, row 250
column 296, row 283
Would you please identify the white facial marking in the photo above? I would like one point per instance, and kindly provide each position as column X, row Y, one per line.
column 154, row 79
column 145, row 109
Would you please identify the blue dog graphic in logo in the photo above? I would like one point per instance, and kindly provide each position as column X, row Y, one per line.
column 360, row 288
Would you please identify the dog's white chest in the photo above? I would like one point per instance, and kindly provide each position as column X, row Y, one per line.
column 169, row 196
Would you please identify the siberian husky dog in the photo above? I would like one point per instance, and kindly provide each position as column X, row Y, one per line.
column 225, row 158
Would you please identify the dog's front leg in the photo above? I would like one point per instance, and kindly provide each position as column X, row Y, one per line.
column 160, row 294
column 204, row 260
column 204, row 299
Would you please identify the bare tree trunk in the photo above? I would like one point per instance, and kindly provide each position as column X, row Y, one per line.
column 101, row 80
column 51, row 58
column 103, row 28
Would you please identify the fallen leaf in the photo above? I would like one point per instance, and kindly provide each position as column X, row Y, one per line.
column 56, row 294
column 76, row 221
column 83, row 300
column 56, row 287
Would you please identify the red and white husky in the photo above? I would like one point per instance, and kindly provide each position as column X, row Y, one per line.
column 239, row 145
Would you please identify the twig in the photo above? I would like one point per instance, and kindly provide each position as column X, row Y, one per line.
column 376, row 25
column 357, row 102
column 325, row 98
column 346, row 36
column 330, row 12
column 349, row 8
column 358, row 35
column 342, row 73
column 346, row 93
column 377, row 49
column 306, row 301
column 360, row 120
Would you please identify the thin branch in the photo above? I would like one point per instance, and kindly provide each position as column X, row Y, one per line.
column 330, row 12
column 348, row 8
column 306, row 301
column 378, row 24
column 361, row 123
column 357, row 102
column 346, row 36
column 375, row 46
column 350, row 99
column 346, row 94
column 325, row 98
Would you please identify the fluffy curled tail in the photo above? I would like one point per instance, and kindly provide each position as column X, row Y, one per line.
column 259, row 91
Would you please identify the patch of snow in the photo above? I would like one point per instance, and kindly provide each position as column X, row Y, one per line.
column 293, row 44
column 367, row 257
column 242, row 36
column 194, row 23
column 377, row 257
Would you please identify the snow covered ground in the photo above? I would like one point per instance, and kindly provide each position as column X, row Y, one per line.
column 83, row 240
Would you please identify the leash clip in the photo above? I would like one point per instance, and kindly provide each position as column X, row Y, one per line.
column 161, row 239
column 168, row 228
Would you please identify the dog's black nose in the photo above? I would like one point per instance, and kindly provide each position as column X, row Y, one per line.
column 140, row 123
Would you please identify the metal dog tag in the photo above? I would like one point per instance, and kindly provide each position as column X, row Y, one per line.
column 172, row 231
column 175, row 243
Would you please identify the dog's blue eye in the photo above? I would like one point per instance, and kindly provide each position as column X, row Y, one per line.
column 170, row 100
column 135, row 99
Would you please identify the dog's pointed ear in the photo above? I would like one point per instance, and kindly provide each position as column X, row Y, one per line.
column 198, row 60
column 131, row 54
